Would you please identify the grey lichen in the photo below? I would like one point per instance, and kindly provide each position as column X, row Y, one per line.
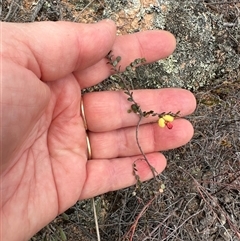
column 203, row 56
column 207, row 50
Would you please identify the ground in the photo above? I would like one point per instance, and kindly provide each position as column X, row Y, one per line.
column 201, row 198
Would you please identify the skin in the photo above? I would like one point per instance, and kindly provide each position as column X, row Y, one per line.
column 44, row 166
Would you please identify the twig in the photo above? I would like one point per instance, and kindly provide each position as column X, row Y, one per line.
column 204, row 194
column 133, row 227
column 36, row 10
column 96, row 220
column 77, row 18
column 1, row 7
column 10, row 10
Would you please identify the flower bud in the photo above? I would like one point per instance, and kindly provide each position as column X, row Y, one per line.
column 169, row 125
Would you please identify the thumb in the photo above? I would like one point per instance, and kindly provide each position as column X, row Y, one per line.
column 51, row 50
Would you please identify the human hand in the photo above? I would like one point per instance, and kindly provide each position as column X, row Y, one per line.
column 44, row 166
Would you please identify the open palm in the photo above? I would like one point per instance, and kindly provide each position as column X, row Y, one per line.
column 44, row 166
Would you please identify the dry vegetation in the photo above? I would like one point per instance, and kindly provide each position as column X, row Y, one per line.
column 201, row 199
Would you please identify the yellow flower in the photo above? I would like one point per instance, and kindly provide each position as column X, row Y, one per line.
column 165, row 120
column 168, row 118
column 161, row 122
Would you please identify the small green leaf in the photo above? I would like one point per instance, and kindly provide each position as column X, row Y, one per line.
column 65, row 216
column 118, row 58
column 128, row 68
column 62, row 234
column 135, row 108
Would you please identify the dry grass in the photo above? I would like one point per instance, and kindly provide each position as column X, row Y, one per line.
column 201, row 199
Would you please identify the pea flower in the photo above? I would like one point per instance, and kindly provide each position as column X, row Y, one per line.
column 166, row 121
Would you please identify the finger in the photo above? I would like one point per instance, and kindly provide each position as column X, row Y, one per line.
column 107, row 111
column 52, row 50
column 104, row 175
column 151, row 45
column 152, row 138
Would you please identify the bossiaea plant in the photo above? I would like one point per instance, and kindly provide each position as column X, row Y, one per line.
column 165, row 119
